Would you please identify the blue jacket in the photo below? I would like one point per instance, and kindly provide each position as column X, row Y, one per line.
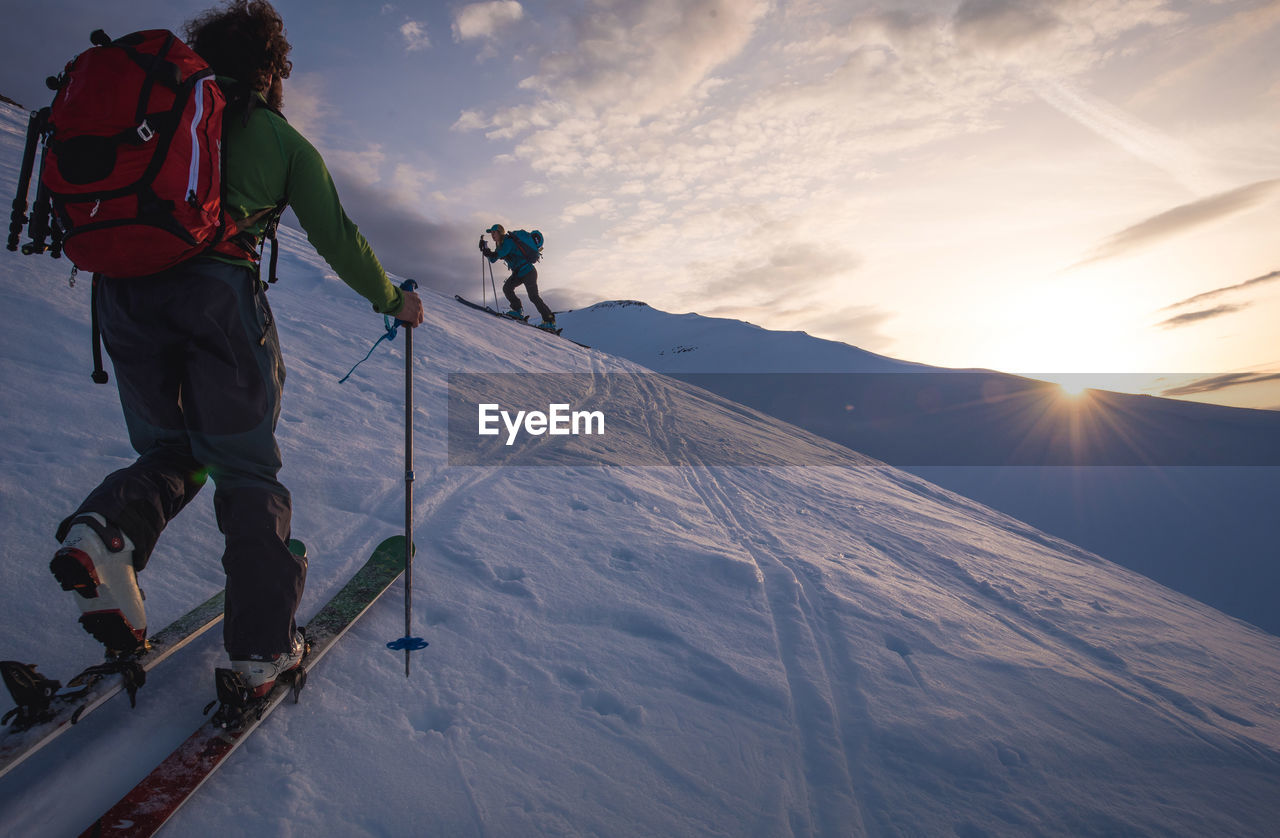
column 509, row 253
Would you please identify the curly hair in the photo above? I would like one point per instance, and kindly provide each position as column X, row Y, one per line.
column 244, row 39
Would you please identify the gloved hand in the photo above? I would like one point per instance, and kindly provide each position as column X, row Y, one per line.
column 483, row 247
column 410, row 312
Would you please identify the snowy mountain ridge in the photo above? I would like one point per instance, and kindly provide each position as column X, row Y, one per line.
column 827, row 650
column 690, row 342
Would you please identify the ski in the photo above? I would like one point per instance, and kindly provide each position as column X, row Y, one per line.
column 150, row 804
column 39, row 719
column 525, row 321
column 35, row 727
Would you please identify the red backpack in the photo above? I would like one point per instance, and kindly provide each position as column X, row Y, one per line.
column 133, row 162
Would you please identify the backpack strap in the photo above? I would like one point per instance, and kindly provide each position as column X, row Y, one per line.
column 99, row 375
column 530, row 255
column 242, row 101
column 269, row 232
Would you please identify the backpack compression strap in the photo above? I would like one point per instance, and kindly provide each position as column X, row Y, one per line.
column 244, row 245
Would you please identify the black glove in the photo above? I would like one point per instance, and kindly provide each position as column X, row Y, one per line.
column 483, row 248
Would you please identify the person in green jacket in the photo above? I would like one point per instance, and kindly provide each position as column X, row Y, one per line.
column 199, row 369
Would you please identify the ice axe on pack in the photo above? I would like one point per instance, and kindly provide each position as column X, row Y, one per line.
column 42, row 228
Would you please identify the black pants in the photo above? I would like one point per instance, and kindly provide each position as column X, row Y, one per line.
column 530, row 283
column 197, row 362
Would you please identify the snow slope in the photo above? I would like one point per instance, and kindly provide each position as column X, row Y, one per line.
column 627, row 650
column 1177, row 491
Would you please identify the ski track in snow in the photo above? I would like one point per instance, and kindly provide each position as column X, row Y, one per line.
column 827, row 767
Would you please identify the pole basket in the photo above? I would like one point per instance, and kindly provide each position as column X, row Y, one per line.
column 408, row 644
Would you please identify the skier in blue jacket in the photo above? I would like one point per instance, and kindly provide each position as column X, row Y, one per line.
column 522, row 273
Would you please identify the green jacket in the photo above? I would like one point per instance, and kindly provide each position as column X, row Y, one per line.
column 268, row 161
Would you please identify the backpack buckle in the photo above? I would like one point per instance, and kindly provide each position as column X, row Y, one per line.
column 145, row 132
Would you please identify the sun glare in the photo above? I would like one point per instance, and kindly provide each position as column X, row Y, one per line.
column 1073, row 387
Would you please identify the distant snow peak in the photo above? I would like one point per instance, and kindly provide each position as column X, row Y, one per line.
column 607, row 304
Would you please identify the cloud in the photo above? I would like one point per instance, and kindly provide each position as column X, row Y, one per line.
column 1127, row 132
column 469, row 120
column 657, row 118
column 1053, row 37
column 1208, row 295
column 483, row 20
column 409, row 184
column 595, row 208
column 632, row 92
column 386, row 196
column 1186, row 218
column 1004, row 26
column 415, row 35
column 779, row 271
column 364, row 165
column 439, row 254
column 1221, row 382
column 859, row 324
column 1200, row 316
column 1225, row 39
column 389, row 212
column 640, row 57
column 307, row 105
column 632, row 97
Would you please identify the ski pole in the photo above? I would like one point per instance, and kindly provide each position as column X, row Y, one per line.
column 495, row 287
column 408, row 484
column 408, row 642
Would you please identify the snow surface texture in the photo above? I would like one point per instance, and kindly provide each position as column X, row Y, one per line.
column 840, row 650
column 1181, row 492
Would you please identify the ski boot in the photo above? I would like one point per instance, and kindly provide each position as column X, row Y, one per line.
column 243, row 689
column 259, row 672
column 96, row 562
column 517, row 314
column 549, row 326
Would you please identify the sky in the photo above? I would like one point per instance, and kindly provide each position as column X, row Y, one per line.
column 1043, row 188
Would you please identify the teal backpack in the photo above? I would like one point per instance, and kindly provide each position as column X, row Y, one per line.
column 529, row 243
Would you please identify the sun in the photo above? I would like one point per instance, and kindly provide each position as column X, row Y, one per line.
column 1073, row 389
